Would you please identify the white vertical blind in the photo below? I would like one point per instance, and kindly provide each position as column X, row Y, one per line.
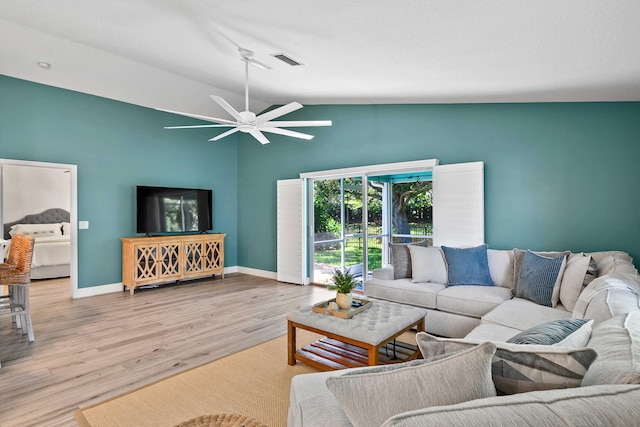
column 458, row 204
column 291, row 225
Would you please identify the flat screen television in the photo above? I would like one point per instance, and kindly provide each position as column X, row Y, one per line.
column 173, row 210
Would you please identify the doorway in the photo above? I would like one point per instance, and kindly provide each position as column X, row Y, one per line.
column 71, row 170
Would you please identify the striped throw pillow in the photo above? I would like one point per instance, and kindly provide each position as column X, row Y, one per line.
column 538, row 277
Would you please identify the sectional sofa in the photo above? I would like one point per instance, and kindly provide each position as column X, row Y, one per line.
column 588, row 376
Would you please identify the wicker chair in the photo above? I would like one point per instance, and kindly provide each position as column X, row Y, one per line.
column 16, row 274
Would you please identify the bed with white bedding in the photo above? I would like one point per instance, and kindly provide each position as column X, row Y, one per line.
column 52, row 246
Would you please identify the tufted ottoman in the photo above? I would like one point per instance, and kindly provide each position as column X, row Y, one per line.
column 368, row 338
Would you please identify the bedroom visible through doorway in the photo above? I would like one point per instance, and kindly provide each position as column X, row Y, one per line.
column 36, row 197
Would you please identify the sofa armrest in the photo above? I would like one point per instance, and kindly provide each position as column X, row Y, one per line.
column 384, row 273
column 607, row 296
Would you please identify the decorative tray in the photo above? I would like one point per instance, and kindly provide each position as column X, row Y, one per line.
column 359, row 305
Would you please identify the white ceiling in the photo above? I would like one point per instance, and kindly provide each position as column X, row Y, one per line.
column 174, row 53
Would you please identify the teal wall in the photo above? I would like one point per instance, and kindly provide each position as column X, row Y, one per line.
column 116, row 146
column 557, row 176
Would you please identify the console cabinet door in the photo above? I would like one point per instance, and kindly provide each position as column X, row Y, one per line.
column 193, row 259
column 213, row 255
column 146, row 263
column 170, row 260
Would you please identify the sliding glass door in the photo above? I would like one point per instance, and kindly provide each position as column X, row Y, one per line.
column 403, row 203
column 337, row 231
column 352, row 232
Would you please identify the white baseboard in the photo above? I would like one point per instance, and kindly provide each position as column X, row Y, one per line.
column 255, row 272
column 97, row 290
column 117, row 287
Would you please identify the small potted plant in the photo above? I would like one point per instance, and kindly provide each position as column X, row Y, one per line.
column 343, row 284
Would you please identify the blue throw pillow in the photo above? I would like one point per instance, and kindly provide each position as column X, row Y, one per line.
column 549, row 333
column 468, row 266
column 538, row 275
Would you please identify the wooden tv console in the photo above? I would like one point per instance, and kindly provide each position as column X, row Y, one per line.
column 151, row 260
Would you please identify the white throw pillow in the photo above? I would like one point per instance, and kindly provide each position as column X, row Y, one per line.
column 369, row 399
column 501, row 267
column 579, row 338
column 428, row 264
column 573, row 279
column 36, row 230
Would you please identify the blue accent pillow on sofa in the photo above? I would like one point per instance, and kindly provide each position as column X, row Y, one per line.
column 538, row 276
column 468, row 266
column 550, row 333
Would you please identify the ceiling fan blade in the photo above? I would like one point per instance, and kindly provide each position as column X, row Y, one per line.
column 196, row 126
column 258, row 64
column 287, row 132
column 224, row 104
column 299, row 123
column 223, row 134
column 259, row 136
column 280, row 111
column 198, row 116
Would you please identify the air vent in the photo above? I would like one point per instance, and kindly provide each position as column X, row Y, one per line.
column 286, row 58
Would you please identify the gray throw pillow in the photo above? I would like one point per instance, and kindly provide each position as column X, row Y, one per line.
column 591, row 274
column 573, row 279
column 464, row 376
column 551, row 333
column 518, row 256
column 401, row 258
column 538, row 278
column 520, row 368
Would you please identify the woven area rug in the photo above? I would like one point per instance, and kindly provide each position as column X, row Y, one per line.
column 254, row 382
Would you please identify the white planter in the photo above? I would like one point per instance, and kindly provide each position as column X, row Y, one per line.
column 344, row 300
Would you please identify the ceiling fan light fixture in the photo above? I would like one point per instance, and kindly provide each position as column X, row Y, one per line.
column 287, row 59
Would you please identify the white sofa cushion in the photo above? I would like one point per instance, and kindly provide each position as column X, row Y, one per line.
column 428, row 264
column 311, row 402
column 475, row 301
column 491, row 332
column 510, row 313
column 404, row 291
column 433, row 383
column 446, row 324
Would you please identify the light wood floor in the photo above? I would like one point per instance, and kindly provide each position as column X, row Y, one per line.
column 89, row 349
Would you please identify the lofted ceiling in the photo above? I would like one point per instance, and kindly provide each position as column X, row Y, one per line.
column 174, row 53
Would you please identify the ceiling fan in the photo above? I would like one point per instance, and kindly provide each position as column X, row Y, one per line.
column 246, row 121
